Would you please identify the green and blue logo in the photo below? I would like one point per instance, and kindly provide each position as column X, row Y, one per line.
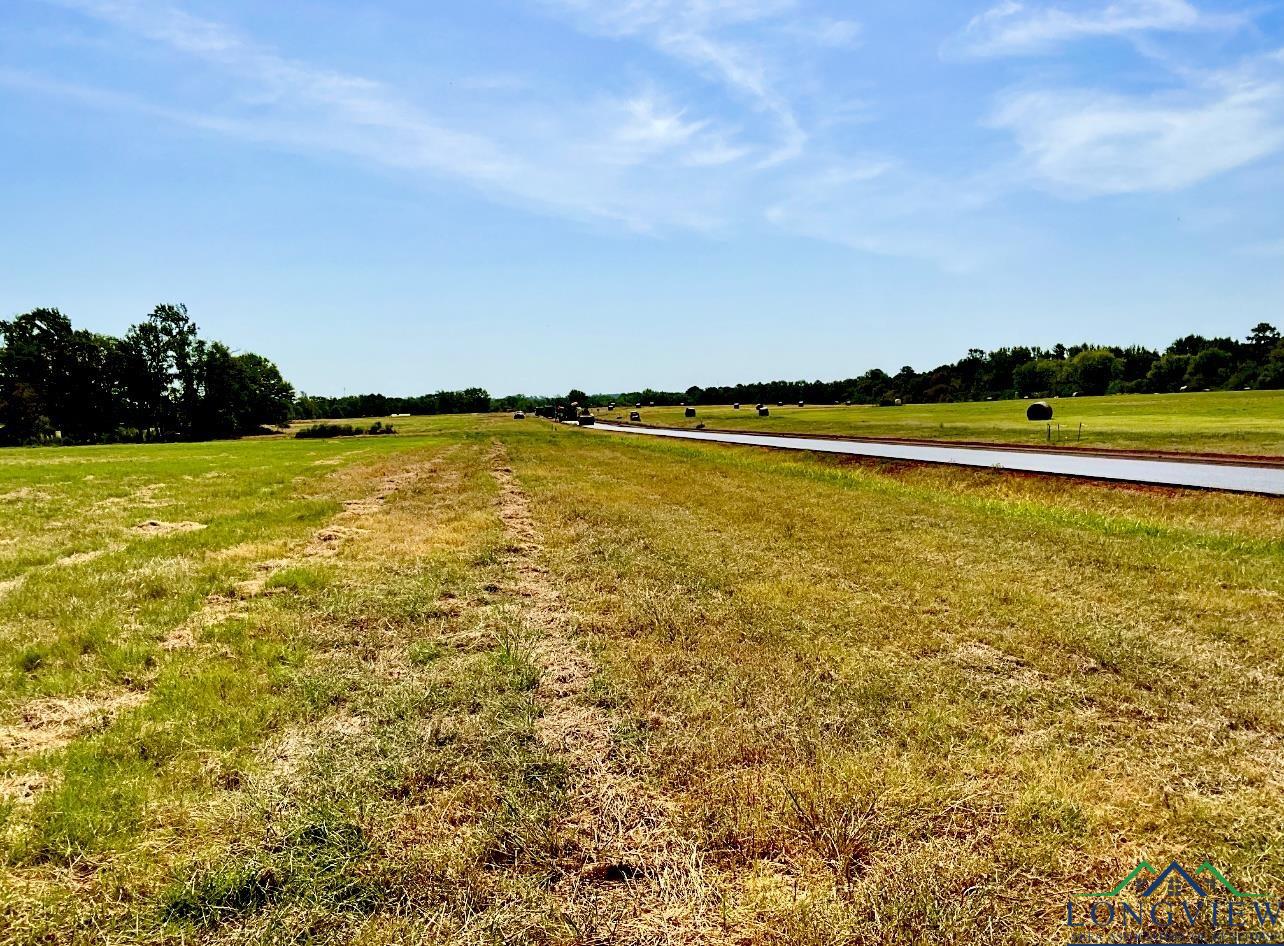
column 1174, row 906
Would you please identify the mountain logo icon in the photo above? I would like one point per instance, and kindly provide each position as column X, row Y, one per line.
column 1204, row 881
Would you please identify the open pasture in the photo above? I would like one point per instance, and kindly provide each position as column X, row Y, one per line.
column 1231, row 422
column 505, row 680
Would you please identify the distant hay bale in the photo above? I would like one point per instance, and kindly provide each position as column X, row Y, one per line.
column 1039, row 410
column 736, row 406
column 800, row 404
column 780, row 403
column 689, row 412
column 586, row 420
column 519, row 415
column 897, row 402
column 634, row 415
column 763, row 412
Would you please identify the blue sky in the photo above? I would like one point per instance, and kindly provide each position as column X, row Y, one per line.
column 532, row 194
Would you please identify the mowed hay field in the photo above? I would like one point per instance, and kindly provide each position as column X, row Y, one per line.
column 505, row 681
column 1234, row 422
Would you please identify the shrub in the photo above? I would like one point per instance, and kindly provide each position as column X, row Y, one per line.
column 343, row 430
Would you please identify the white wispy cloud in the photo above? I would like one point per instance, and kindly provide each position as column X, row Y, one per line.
column 695, row 32
column 1093, row 142
column 642, row 159
column 1015, row 28
column 597, row 158
column 306, row 101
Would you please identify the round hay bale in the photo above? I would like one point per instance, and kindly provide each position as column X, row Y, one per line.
column 763, row 412
column 689, row 412
column 800, row 404
column 736, row 406
column 519, row 415
column 634, row 415
column 1039, row 410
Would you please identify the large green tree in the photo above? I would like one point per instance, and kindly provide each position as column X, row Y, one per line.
column 52, row 378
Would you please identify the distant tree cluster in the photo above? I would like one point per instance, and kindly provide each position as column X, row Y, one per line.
column 161, row 381
column 468, row 401
column 1193, row 363
column 322, row 431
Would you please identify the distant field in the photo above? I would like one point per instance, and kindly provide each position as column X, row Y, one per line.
column 1241, row 422
column 501, row 681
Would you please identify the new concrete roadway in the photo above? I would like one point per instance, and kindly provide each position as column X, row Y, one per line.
column 1242, row 477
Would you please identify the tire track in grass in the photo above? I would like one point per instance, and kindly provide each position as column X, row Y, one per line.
column 627, row 874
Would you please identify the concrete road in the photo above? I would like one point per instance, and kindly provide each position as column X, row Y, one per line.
column 1200, row 474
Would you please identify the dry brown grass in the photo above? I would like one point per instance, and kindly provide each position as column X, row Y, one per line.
column 49, row 724
column 158, row 527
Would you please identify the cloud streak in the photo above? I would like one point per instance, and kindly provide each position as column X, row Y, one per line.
column 693, row 32
column 1014, row 29
column 587, row 159
column 1094, row 143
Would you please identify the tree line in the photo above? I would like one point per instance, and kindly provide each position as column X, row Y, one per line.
column 1192, row 363
column 161, row 381
column 468, row 401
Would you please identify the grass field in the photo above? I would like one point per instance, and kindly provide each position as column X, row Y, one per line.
column 496, row 681
column 1237, row 422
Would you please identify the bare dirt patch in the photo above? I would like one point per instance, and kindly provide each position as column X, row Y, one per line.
column 985, row 660
column 156, row 527
column 25, row 493
column 23, row 787
column 80, row 558
column 49, row 724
